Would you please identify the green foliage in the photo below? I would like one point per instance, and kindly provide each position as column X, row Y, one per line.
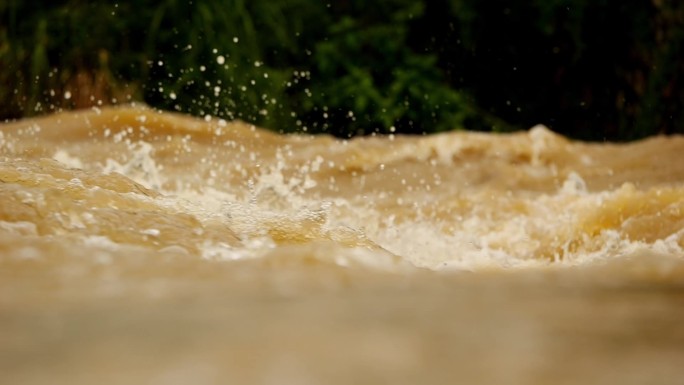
column 61, row 48
column 207, row 59
column 366, row 79
column 291, row 65
column 593, row 69
column 202, row 57
column 590, row 69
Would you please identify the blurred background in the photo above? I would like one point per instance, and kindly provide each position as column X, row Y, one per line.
column 588, row 69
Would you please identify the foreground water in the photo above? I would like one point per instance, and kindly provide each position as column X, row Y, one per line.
column 146, row 247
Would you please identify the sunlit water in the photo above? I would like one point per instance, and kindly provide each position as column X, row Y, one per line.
column 145, row 247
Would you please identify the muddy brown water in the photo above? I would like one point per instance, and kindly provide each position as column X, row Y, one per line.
column 146, row 247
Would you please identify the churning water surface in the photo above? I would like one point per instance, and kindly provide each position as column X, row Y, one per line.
column 146, row 247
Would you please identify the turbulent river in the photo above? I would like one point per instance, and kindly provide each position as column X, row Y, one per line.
column 155, row 248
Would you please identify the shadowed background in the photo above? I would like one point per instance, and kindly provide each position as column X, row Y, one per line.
column 589, row 69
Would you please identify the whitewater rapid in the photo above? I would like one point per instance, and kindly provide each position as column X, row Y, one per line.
column 140, row 246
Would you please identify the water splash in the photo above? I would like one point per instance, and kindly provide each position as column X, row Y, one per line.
column 450, row 201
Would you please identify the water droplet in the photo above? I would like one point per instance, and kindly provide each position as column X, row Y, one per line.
column 220, row 60
column 67, row 95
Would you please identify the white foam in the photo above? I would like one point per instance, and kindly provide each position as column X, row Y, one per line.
column 574, row 185
column 141, row 167
column 276, row 197
column 19, row 228
column 66, row 159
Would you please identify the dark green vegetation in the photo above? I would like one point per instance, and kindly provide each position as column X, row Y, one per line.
column 591, row 69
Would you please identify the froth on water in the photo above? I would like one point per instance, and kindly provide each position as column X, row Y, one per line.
column 218, row 190
column 146, row 247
